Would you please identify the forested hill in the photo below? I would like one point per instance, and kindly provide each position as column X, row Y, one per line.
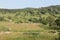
column 30, row 15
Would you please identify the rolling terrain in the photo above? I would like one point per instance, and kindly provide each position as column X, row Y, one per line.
column 30, row 23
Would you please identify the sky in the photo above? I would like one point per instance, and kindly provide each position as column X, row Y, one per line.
column 12, row 4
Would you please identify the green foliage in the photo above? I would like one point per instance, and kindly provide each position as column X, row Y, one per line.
column 58, row 22
column 3, row 28
column 33, row 15
column 2, row 19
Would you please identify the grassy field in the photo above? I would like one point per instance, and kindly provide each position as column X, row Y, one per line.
column 24, row 31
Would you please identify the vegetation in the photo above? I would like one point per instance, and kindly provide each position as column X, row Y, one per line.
column 30, row 23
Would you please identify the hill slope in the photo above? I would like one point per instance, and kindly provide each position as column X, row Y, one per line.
column 30, row 23
column 29, row 15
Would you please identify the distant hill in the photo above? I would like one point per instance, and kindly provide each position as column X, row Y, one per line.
column 51, row 9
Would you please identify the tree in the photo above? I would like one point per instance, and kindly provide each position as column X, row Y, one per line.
column 58, row 28
column 58, row 22
column 50, row 19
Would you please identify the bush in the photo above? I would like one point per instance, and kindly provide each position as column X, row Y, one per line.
column 2, row 18
column 3, row 28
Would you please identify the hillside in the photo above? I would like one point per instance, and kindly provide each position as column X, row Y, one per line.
column 29, row 15
column 30, row 23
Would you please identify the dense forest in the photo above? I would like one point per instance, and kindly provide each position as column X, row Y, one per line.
column 45, row 15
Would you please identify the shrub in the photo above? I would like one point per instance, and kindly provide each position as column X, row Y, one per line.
column 3, row 28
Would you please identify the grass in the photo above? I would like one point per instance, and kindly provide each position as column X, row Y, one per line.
column 24, row 31
column 23, row 36
column 19, row 27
